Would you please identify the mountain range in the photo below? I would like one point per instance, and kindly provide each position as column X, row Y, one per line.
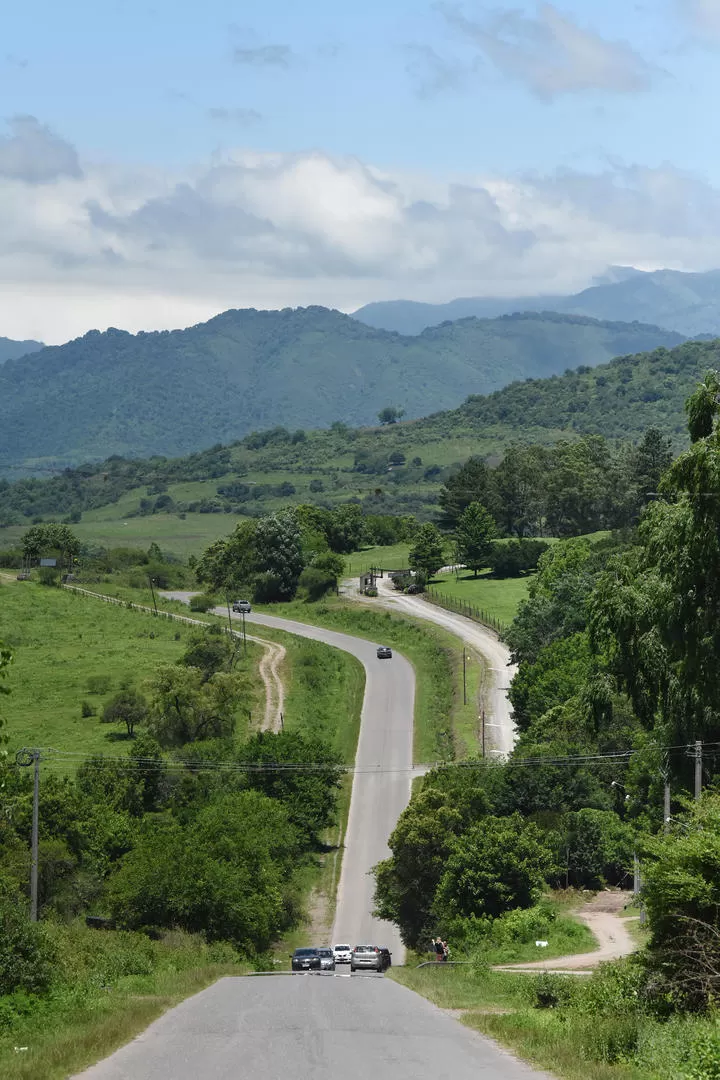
column 686, row 303
column 11, row 350
column 172, row 392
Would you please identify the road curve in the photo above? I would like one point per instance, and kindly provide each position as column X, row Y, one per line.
column 499, row 724
column 309, row 1028
column 381, row 784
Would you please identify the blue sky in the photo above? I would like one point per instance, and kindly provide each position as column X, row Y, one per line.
column 170, row 157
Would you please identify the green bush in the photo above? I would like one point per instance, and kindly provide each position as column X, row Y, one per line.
column 550, row 991
column 26, row 952
column 202, row 602
column 49, row 575
column 316, row 582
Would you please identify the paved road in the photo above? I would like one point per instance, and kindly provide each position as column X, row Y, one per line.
column 381, row 785
column 309, row 1028
column 500, row 728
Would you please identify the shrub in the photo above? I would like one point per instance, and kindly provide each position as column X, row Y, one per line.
column 99, row 684
column 26, row 953
column 49, row 575
column 316, row 583
column 86, row 710
column 550, row 991
column 202, row 602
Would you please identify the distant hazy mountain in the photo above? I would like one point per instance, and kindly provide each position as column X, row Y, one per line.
column 175, row 392
column 686, row 303
column 10, row 350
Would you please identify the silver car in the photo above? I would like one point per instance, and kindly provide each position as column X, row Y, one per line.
column 327, row 959
column 366, row 957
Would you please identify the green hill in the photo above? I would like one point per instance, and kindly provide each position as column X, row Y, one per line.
column 186, row 502
column 687, row 303
column 10, row 350
column 177, row 391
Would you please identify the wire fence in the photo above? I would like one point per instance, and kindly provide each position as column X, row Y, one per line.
column 461, row 607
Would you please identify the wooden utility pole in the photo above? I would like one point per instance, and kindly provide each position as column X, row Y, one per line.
column 666, row 804
column 464, row 679
column 25, row 758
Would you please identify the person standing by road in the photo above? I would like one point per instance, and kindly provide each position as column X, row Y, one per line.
column 445, row 951
column 438, row 946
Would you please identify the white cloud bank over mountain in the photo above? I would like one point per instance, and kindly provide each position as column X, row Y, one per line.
column 85, row 245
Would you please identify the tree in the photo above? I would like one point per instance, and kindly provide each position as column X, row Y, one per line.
column 210, row 650
column 473, row 482
column 496, row 865
column 228, row 875
column 474, row 534
column 681, row 890
column 127, row 707
column 390, row 415
column 648, row 462
column 520, row 483
column 428, row 552
column 186, row 707
column 51, row 536
column 228, row 564
column 279, row 557
column 309, row 796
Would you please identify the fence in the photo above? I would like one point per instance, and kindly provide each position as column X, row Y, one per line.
column 461, row 607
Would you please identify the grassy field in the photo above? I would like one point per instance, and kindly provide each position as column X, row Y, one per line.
column 69, row 649
column 181, row 537
column 498, row 598
column 391, row 557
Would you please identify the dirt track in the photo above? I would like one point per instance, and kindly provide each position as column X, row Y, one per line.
column 601, row 916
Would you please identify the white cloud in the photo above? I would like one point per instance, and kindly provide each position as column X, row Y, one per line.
column 107, row 245
column 552, row 54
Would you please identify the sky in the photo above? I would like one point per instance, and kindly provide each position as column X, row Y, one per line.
column 162, row 161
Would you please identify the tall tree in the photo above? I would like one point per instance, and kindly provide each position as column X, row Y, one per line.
column 520, row 483
column 278, row 544
column 428, row 552
column 474, row 535
column 474, row 482
column 390, row 415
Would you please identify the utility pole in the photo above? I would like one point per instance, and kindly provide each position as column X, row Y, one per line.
column 636, row 875
column 482, row 715
column 25, row 758
column 464, row 679
column 244, row 636
column 227, row 601
column 698, row 768
column 666, row 803
column 152, row 590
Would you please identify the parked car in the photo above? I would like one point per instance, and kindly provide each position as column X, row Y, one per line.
column 327, row 959
column 343, row 954
column 386, row 957
column 306, row 960
column 242, row 606
column 384, row 652
column 366, row 957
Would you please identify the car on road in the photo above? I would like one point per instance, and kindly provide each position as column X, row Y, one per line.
column 327, row 959
column 386, row 957
column 242, row 606
column 384, row 652
column 306, row 960
column 367, row 957
column 343, row 954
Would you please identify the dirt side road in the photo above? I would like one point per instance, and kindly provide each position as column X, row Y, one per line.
column 602, row 916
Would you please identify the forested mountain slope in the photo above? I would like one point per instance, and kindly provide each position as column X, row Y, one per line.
column 173, row 392
column 10, row 350
column 687, row 303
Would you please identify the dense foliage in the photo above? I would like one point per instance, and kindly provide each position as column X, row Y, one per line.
column 173, row 392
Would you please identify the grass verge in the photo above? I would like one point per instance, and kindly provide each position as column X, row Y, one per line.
column 104, row 993
column 497, row 599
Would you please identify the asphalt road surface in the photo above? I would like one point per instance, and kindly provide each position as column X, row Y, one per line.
column 381, row 784
column 499, row 724
column 308, row 1027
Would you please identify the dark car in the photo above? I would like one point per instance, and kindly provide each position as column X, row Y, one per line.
column 384, row 652
column 306, row 960
column 367, row 957
column 386, row 957
column 242, row 606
